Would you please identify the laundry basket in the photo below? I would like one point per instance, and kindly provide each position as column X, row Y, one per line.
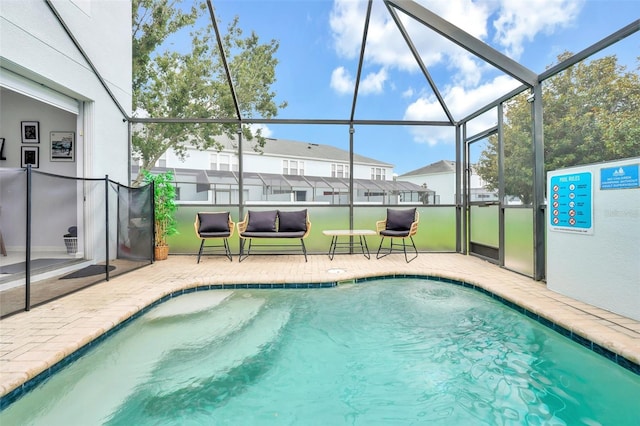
column 71, row 240
column 72, row 244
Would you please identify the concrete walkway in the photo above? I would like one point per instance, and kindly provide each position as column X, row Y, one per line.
column 31, row 342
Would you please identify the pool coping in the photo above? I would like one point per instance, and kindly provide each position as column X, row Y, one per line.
column 26, row 387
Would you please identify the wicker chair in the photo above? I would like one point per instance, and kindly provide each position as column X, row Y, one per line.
column 214, row 226
column 399, row 224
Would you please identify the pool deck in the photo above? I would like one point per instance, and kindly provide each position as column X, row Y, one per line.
column 32, row 342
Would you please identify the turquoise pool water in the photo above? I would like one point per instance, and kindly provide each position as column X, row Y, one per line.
column 385, row 352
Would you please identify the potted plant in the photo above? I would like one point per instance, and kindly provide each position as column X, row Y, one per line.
column 164, row 196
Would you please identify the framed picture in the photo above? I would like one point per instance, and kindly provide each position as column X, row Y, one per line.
column 2, row 157
column 30, row 155
column 30, row 132
column 63, row 146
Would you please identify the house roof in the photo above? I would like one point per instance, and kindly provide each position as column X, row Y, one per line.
column 304, row 150
column 204, row 178
column 442, row 166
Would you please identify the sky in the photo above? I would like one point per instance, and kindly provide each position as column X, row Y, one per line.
column 320, row 42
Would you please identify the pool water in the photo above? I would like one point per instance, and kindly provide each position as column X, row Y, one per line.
column 387, row 352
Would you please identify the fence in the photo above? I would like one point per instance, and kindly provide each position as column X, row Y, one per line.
column 59, row 236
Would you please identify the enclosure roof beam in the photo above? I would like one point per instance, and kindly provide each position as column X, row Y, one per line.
column 224, row 61
column 593, row 49
column 293, row 121
column 84, row 54
column 361, row 60
column 418, row 59
column 466, row 41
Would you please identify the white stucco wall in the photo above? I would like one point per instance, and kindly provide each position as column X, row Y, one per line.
column 444, row 184
column 601, row 265
column 35, row 47
column 265, row 163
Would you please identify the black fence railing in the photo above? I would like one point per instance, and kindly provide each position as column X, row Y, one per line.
column 59, row 234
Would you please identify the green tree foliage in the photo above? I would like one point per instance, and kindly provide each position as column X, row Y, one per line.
column 591, row 113
column 171, row 84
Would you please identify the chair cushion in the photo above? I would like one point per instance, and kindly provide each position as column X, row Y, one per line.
column 295, row 221
column 213, row 222
column 389, row 233
column 262, row 221
column 400, row 220
column 299, row 234
column 222, row 234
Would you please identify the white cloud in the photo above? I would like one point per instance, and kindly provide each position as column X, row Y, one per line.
column 521, row 21
column 408, row 93
column 374, row 82
column 460, row 102
column 341, row 81
column 263, row 128
column 514, row 21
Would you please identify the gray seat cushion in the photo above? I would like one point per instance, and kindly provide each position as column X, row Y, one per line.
column 400, row 220
column 213, row 223
column 388, row 233
column 262, row 221
column 299, row 234
column 295, row 221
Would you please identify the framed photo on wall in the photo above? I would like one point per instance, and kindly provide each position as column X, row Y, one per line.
column 63, row 146
column 30, row 131
column 30, row 155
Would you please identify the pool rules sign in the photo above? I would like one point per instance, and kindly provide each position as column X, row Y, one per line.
column 571, row 203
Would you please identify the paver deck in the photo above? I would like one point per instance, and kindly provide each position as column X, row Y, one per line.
column 31, row 342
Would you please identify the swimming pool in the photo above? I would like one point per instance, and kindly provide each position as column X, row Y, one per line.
column 398, row 351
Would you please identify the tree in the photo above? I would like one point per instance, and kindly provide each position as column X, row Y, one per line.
column 170, row 84
column 591, row 113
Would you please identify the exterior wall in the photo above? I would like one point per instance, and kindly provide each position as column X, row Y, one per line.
column 35, row 48
column 600, row 264
column 444, row 184
column 265, row 163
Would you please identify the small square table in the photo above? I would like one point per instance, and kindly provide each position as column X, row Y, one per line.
column 360, row 233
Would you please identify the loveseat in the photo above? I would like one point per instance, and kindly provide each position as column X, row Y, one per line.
column 273, row 225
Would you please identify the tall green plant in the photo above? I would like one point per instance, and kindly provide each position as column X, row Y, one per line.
column 164, row 196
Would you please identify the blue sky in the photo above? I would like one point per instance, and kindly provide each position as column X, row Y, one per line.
column 320, row 45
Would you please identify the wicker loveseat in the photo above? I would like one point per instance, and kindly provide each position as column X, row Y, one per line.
column 273, row 225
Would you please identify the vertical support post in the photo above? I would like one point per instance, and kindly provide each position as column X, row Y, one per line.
column 153, row 221
column 27, row 253
column 118, row 218
column 538, row 186
column 466, row 225
column 351, row 195
column 240, row 173
column 106, row 225
column 501, row 186
column 458, row 200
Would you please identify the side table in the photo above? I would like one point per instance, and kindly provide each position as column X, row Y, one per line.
column 337, row 233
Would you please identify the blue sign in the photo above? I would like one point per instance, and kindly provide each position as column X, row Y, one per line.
column 621, row 177
column 571, row 199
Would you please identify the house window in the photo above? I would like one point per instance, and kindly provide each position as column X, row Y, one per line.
column 224, row 162
column 378, row 173
column 162, row 161
column 292, row 167
column 339, row 170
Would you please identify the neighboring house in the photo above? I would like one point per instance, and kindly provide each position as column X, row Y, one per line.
column 441, row 178
column 65, row 95
column 285, row 171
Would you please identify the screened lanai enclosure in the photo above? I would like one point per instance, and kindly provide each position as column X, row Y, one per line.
column 465, row 132
column 493, row 203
